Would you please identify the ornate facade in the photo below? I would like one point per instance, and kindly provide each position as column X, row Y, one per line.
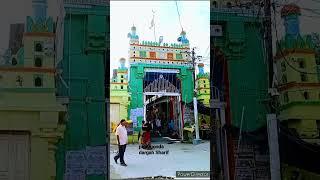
column 28, row 105
column 299, row 85
column 160, row 69
column 203, row 86
column 119, row 94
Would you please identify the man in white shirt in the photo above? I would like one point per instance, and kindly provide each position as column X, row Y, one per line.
column 122, row 137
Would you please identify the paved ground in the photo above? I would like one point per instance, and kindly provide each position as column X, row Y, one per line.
column 179, row 157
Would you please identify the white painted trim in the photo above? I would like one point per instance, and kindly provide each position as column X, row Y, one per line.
column 161, row 93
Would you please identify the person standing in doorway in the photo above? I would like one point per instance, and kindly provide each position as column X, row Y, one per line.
column 122, row 137
column 158, row 126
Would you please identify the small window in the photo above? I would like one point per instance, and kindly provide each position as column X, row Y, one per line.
column 302, row 63
column 38, row 62
column 143, row 54
column 204, row 81
column 286, row 97
column 204, row 86
column 284, row 79
column 38, row 81
column 121, row 81
column 121, row 76
column 205, row 91
column 129, row 98
column 179, row 56
column 283, row 66
column 121, row 87
column 318, row 126
column 14, row 61
column 229, row 5
column 304, row 77
column 152, row 54
column 38, row 47
column 214, row 4
column 306, row 95
column 19, row 81
column 318, row 61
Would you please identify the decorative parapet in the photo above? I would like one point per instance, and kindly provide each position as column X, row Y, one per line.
column 41, row 25
column 205, row 75
column 161, row 45
column 290, row 42
column 88, row 2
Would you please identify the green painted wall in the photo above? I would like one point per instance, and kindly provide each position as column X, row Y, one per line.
column 84, row 49
column 136, row 83
column 242, row 45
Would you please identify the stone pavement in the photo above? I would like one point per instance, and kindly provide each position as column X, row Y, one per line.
column 164, row 161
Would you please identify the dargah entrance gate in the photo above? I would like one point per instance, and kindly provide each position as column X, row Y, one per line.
column 160, row 70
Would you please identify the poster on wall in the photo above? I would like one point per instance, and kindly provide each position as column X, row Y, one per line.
column 134, row 114
column 133, row 117
column 96, row 160
column 188, row 116
column 76, row 163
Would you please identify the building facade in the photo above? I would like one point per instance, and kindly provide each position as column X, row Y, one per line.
column 119, row 95
column 240, row 78
column 31, row 119
column 299, row 85
column 203, row 86
column 160, row 70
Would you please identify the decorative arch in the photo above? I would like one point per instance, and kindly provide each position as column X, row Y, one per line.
column 161, row 85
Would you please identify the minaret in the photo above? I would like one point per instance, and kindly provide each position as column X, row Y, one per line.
column 200, row 68
column 290, row 14
column 183, row 39
column 122, row 63
column 134, row 38
column 39, row 9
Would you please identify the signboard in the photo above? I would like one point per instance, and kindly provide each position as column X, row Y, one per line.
column 188, row 115
column 96, row 160
column 75, row 163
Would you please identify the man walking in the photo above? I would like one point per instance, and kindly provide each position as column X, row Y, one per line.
column 122, row 138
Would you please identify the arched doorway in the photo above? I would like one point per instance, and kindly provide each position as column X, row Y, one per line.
column 162, row 100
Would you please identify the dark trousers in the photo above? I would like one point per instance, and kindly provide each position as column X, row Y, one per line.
column 122, row 149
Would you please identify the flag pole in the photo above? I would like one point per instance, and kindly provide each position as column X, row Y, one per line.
column 154, row 28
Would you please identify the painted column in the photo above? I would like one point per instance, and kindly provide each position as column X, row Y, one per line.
column 136, row 87
column 39, row 151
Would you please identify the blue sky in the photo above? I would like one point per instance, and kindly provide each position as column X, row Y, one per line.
column 194, row 16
